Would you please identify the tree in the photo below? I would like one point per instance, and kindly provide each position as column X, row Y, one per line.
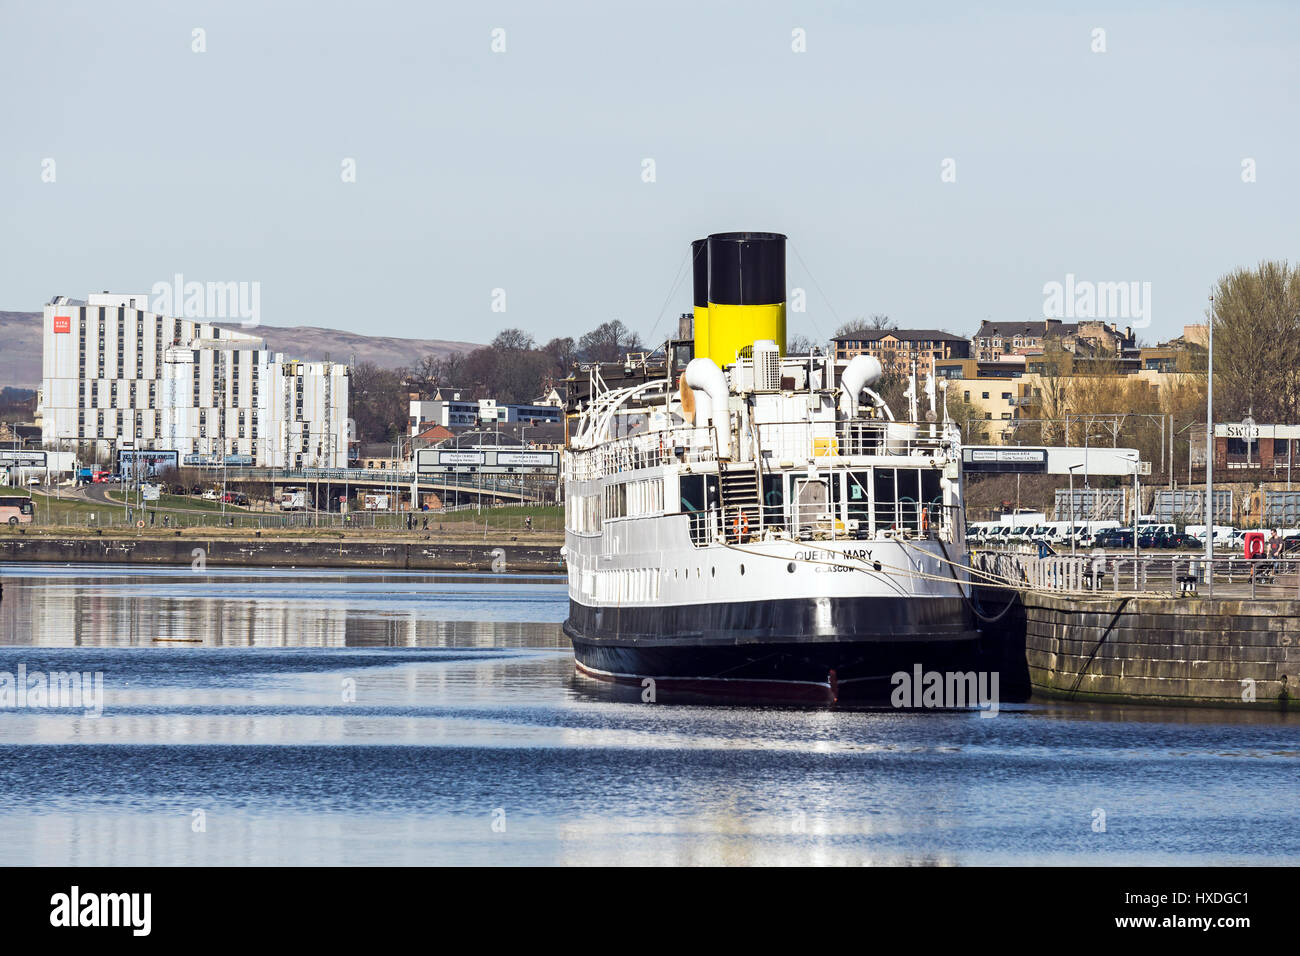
column 1257, row 344
column 512, row 340
column 563, row 353
column 966, row 416
column 1055, row 369
column 608, row 342
column 379, row 403
column 799, row 345
column 855, row 326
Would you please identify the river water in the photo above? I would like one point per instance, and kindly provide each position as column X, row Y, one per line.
column 336, row 717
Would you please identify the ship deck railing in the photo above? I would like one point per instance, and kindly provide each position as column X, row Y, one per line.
column 647, row 449
column 819, row 521
column 800, row 441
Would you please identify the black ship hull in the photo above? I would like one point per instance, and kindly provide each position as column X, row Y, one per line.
column 820, row 650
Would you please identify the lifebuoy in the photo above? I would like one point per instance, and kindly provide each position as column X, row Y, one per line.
column 925, row 521
column 741, row 525
column 1254, row 546
column 140, row 523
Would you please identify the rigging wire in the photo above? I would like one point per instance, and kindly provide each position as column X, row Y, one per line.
column 677, row 280
column 822, row 292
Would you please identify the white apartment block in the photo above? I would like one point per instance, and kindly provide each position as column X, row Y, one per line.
column 121, row 376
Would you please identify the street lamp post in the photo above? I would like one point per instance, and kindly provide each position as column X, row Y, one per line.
column 1209, row 456
column 1073, row 536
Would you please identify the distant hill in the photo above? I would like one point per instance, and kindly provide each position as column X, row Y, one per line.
column 20, row 346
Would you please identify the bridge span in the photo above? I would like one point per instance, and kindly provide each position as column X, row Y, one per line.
column 322, row 482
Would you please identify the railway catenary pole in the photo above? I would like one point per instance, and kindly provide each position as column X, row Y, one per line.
column 1209, row 455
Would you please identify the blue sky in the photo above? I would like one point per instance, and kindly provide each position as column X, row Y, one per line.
column 523, row 170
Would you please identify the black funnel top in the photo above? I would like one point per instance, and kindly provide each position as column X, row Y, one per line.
column 746, row 268
column 700, row 271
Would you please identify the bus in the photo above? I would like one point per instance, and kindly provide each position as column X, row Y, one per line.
column 16, row 510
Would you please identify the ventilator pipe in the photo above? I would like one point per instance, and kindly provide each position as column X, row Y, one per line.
column 710, row 387
column 879, row 403
column 862, row 372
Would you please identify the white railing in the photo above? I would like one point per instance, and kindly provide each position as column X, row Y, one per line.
column 686, row 443
column 801, row 441
column 1122, row 573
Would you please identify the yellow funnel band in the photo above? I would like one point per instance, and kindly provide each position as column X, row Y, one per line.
column 734, row 327
column 701, row 331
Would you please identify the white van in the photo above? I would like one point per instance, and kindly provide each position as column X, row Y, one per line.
column 1052, row 532
column 1224, row 535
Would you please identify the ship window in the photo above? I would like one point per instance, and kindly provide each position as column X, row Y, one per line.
column 857, row 498
column 885, row 481
column 773, row 502
column 909, row 499
column 692, row 487
column 932, row 494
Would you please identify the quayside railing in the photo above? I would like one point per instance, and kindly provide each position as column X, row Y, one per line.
column 1126, row 574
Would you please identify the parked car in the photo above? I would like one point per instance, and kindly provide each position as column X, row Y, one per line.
column 1114, row 538
column 211, row 495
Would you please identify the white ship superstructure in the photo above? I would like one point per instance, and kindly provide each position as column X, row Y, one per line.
column 763, row 525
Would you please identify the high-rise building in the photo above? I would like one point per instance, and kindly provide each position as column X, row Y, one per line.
column 119, row 376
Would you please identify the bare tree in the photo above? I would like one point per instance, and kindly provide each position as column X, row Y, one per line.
column 513, row 340
column 799, row 345
column 874, row 323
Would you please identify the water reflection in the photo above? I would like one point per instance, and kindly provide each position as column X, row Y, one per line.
column 93, row 606
column 329, row 718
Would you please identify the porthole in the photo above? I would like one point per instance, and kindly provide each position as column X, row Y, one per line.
column 790, row 567
column 742, row 570
column 713, row 572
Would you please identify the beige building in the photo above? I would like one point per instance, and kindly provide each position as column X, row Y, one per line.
column 896, row 349
column 1093, row 338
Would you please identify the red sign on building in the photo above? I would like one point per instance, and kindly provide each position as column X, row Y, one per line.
column 63, row 323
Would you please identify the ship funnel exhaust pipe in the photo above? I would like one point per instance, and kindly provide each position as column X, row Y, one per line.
column 709, row 386
column 862, row 372
column 744, row 294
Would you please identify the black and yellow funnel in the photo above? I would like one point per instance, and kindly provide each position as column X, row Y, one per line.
column 745, row 299
column 700, row 276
